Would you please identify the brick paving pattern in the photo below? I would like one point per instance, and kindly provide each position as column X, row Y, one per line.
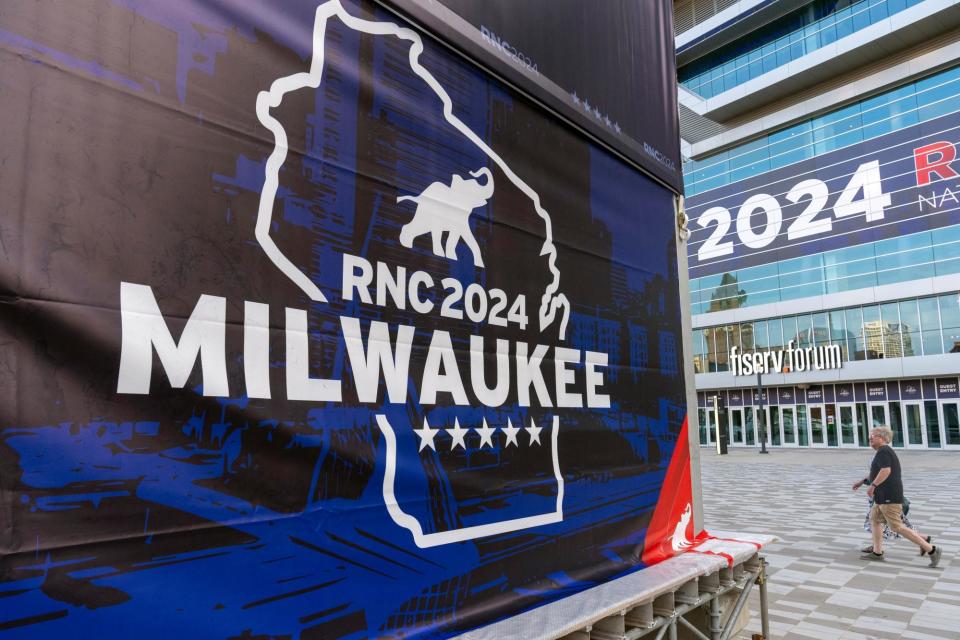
column 819, row 587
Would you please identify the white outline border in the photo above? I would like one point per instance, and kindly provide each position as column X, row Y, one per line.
column 551, row 300
column 425, row 540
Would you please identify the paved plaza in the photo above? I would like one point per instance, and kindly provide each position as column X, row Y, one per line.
column 819, row 587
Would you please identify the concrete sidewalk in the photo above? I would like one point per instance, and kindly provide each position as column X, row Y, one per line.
column 819, row 587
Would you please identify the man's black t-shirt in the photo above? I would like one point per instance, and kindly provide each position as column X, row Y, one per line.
column 891, row 491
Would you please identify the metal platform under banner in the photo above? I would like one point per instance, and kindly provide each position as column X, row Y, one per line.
column 700, row 594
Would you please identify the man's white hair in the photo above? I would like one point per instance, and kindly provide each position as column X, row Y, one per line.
column 885, row 433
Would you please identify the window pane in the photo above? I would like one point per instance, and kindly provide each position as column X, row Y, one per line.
column 850, row 268
column 838, row 334
column 888, row 112
column 910, row 328
column 930, row 326
column 946, row 250
column 775, row 329
column 854, row 331
column 791, row 145
column 801, row 277
column 904, row 258
column 821, row 330
column 749, row 160
column 872, row 332
column 746, row 337
column 950, row 321
column 939, row 95
column 838, row 129
column 790, row 330
column 760, row 338
column 890, row 325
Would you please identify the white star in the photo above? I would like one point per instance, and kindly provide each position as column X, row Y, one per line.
column 511, row 432
column 458, row 434
column 607, row 120
column 576, row 98
column 426, row 436
column 616, row 127
column 586, row 105
column 596, row 112
column 486, row 434
column 534, row 432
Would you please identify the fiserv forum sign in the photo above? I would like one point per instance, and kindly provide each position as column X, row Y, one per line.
column 786, row 360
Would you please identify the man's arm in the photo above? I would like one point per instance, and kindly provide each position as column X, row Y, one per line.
column 882, row 475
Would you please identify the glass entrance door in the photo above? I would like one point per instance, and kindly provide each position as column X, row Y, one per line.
column 803, row 428
column 818, row 435
column 776, row 438
column 830, row 418
column 878, row 416
column 950, row 421
column 789, row 427
column 748, row 429
column 916, row 436
column 896, row 423
column 736, row 426
column 848, row 427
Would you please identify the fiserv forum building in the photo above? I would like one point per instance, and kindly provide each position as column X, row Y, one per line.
column 823, row 191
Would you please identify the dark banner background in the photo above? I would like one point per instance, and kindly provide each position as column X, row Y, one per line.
column 614, row 60
column 131, row 152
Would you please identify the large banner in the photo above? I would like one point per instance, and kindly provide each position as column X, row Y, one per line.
column 885, row 187
column 614, row 61
column 311, row 329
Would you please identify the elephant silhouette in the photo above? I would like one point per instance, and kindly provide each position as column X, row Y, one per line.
column 443, row 208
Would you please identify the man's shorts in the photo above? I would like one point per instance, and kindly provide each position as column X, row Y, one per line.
column 892, row 514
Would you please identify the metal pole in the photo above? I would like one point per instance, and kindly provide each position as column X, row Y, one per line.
column 716, row 423
column 715, row 627
column 763, row 430
column 764, row 617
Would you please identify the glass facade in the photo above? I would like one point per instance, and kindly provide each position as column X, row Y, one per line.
column 900, row 329
column 919, row 101
column 922, row 413
column 919, row 255
column 803, row 31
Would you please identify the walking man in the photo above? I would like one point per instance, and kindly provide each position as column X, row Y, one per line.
column 886, row 491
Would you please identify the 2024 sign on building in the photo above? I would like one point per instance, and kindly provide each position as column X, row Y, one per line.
column 302, row 309
column 892, row 185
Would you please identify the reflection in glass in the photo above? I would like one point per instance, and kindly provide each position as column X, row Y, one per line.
column 950, row 322
column 748, row 425
column 910, row 327
column 951, row 423
column 774, row 427
column 830, row 411
column 930, row 326
column 854, row 320
column 890, row 325
column 914, row 424
column 872, row 332
column 896, row 424
column 736, row 420
column 933, row 423
column 788, row 430
column 816, row 425
column 863, row 425
column 846, row 424
column 802, row 438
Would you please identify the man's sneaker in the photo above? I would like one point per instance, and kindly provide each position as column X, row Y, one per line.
column 870, row 555
column 867, row 549
column 935, row 556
